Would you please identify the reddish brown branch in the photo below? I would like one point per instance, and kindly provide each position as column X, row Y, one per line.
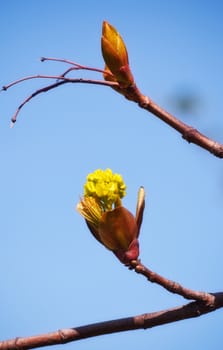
column 45, row 89
column 131, row 93
column 144, row 321
column 30, row 77
column 171, row 286
column 60, row 80
column 188, row 132
column 75, row 65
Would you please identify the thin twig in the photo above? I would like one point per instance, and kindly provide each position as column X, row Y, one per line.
column 131, row 93
column 59, row 77
column 60, row 81
column 63, row 60
column 75, row 64
column 30, row 77
column 144, row 321
column 171, row 286
column 45, row 89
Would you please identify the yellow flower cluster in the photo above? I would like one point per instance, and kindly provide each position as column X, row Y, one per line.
column 109, row 222
column 106, row 188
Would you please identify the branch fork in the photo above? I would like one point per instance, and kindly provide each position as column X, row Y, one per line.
column 131, row 92
column 118, row 76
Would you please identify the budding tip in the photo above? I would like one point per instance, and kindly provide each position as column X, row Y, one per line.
column 12, row 123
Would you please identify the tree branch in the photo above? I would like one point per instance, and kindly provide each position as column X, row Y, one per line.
column 188, row 132
column 171, row 286
column 131, row 93
column 144, row 321
column 75, row 65
column 60, row 80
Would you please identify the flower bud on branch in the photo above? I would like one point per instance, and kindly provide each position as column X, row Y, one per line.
column 110, row 223
column 115, row 56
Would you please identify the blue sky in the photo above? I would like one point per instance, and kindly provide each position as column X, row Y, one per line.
column 53, row 273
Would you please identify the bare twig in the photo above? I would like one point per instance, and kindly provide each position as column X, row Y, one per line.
column 144, row 321
column 30, row 77
column 75, row 65
column 60, row 77
column 60, row 80
column 131, row 93
column 45, row 89
column 171, row 286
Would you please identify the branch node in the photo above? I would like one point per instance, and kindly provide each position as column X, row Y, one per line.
column 61, row 335
column 189, row 134
column 209, row 299
column 12, row 123
column 144, row 102
column 217, row 149
column 16, row 345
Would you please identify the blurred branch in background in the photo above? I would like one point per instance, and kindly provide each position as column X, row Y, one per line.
column 186, row 101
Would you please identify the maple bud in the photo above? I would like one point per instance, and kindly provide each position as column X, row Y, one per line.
column 110, row 223
column 115, row 56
